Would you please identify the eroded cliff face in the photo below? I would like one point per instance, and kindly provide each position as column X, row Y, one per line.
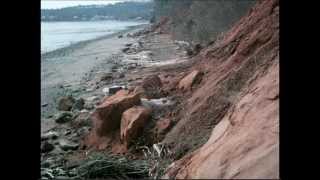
column 235, row 107
column 200, row 21
column 245, row 143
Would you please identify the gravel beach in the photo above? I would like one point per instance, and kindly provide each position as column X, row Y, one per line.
column 62, row 70
column 85, row 74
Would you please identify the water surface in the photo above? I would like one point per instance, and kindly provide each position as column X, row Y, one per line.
column 55, row 35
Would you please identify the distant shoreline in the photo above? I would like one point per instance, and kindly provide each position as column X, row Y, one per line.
column 76, row 20
column 71, row 47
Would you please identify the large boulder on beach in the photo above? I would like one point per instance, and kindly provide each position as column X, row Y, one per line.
column 132, row 122
column 150, row 87
column 107, row 116
column 65, row 103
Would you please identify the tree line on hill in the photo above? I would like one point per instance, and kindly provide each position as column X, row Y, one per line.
column 117, row 11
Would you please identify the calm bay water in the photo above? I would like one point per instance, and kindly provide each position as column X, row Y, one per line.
column 55, row 35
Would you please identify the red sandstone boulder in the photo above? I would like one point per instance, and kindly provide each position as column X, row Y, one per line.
column 132, row 123
column 107, row 116
column 188, row 81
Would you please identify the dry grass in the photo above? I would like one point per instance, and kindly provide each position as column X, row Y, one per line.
column 112, row 166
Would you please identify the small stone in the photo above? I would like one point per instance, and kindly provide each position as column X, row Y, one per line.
column 114, row 89
column 115, row 67
column 46, row 147
column 62, row 177
column 45, row 164
column 65, row 103
column 84, row 111
column 83, row 130
column 49, row 162
column 49, row 116
column 92, row 98
column 197, row 48
column 132, row 66
column 89, row 89
column 189, row 52
column 68, row 145
column 63, row 117
column 88, row 106
column 125, row 49
column 76, row 91
column 106, row 76
column 49, row 135
column 121, row 75
column 68, row 132
column 81, row 120
column 78, row 105
column 44, row 105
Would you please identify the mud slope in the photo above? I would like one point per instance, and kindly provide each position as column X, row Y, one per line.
column 235, row 105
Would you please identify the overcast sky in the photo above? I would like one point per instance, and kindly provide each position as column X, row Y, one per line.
column 54, row 4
